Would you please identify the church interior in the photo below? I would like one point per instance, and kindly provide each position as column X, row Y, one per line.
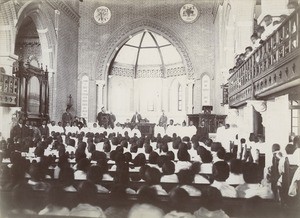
column 149, row 108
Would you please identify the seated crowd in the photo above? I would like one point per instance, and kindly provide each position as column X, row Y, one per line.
column 88, row 163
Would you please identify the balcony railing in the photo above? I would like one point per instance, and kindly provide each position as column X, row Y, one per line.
column 274, row 66
column 9, row 90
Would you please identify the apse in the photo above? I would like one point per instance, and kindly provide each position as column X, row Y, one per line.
column 141, row 77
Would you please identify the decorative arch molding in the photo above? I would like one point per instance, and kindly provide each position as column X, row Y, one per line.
column 80, row 76
column 173, row 87
column 205, row 74
column 120, row 36
column 7, row 21
column 44, row 26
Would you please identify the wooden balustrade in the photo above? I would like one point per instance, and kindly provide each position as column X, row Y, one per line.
column 272, row 67
column 9, row 90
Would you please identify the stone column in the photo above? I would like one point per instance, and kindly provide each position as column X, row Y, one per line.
column 100, row 101
column 136, row 95
column 190, row 103
column 243, row 11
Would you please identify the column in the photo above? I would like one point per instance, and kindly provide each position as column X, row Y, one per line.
column 100, row 101
column 243, row 11
column 245, row 123
column 190, row 105
column 136, row 95
column 165, row 92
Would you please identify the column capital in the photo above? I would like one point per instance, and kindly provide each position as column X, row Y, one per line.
column 100, row 82
column 190, row 82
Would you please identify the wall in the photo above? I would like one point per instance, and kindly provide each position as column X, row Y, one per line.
column 163, row 93
column 59, row 52
column 67, row 68
column 277, row 122
column 97, row 43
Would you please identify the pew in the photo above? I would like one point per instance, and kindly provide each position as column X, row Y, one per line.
column 234, row 207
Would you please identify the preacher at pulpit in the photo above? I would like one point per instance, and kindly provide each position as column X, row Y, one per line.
column 136, row 118
column 103, row 118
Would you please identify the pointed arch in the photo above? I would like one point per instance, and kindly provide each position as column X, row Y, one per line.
column 44, row 26
column 120, row 36
column 43, row 21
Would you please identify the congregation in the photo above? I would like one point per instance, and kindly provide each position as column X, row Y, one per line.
column 174, row 109
column 95, row 160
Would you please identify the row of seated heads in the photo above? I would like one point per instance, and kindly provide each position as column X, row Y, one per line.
column 179, row 198
column 93, row 139
column 151, row 175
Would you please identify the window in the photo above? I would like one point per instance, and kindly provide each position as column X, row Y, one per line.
column 295, row 121
column 179, row 97
column 85, row 97
column 205, row 90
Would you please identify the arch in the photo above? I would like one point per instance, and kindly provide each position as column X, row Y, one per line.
column 44, row 27
column 173, row 95
column 119, row 37
column 43, row 21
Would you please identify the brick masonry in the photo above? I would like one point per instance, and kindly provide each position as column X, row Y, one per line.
column 197, row 38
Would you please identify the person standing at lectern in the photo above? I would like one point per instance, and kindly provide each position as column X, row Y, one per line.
column 136, row 118
column 100, row 115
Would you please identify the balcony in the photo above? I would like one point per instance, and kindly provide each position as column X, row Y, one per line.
column 273, row 67
column 9, row 90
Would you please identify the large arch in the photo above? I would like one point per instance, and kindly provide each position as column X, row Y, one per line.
column 120, row 36
column 48, row 39
column 45, row 29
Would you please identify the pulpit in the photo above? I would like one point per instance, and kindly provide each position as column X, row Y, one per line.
column 34, row 91
column 211, row 121
column 146, row 129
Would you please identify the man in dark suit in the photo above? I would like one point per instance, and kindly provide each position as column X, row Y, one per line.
column 44, row 129
column 202, row 131
column 136, row 118
column 18, row 130
column 102, row 118
column 112, row 120
column 67, row 117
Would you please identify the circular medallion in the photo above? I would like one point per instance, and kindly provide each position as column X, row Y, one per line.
column 102, row 15
column 189, row 13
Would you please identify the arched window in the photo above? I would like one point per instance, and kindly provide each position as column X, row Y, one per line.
column 205, row 90
column 85, row 97
column 179, row 100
